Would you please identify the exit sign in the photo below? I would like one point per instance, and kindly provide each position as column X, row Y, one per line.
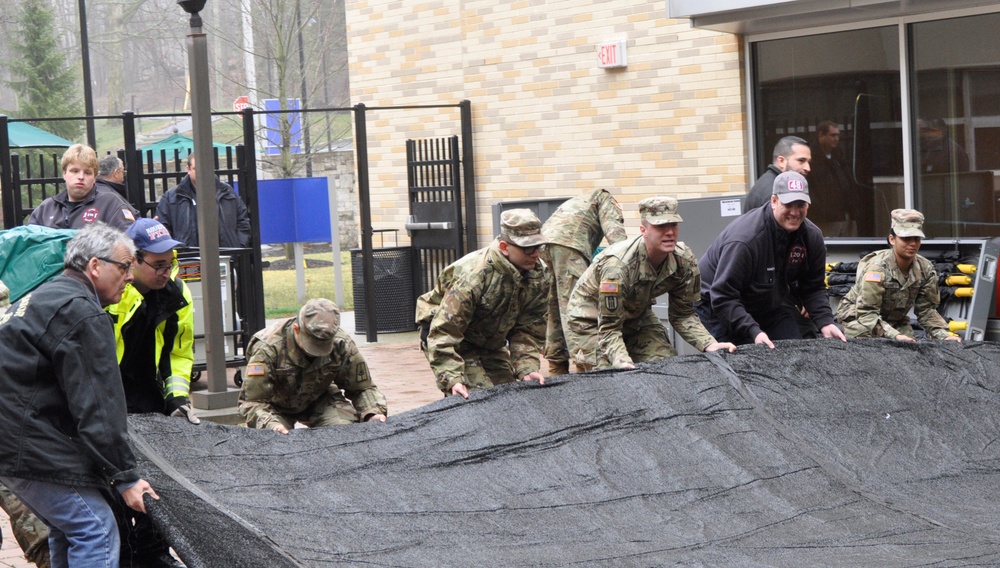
column 611, row 54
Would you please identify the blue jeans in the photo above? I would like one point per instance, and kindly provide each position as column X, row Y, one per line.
column 82, row 529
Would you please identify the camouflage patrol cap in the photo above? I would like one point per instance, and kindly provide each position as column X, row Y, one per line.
column 659, row 210
column 522, row 228
column 908, row 223
column 318, row 321
column 791, row 187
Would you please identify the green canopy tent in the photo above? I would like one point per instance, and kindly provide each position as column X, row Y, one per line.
column 182, row 144
column 24, row 135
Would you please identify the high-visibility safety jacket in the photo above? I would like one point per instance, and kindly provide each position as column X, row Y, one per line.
column 174, row 336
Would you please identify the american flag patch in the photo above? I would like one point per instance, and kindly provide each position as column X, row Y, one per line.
column 127, row 214
column 873, row 277
column 255, row 370
column 609, row 287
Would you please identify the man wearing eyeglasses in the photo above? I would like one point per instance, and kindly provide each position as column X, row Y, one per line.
column 154, row 340
column 62, row 404
column 611, row 319
column 484, row 322
column 154, row 326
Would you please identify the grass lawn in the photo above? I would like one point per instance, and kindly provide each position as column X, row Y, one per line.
column 281, row 297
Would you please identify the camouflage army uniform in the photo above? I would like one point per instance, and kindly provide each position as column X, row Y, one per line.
column 281, row 384
column 486, row 320
column 880, row 300
column 611, row 320
column 574, row 231
column 31, row 533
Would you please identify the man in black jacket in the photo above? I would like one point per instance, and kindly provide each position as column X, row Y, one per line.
column 111, row 175
column 62, row 403
column 82, row 203
column 791, row 154
column 758, row 262
column 177, row 211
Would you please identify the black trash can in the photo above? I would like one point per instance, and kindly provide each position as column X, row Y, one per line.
column 395, row 300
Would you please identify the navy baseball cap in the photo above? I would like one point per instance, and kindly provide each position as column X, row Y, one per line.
column 150, row 235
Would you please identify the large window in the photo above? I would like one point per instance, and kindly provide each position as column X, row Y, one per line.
column 956, row 118
column 849, row 79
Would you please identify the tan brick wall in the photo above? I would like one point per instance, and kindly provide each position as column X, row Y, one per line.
column 547, row 121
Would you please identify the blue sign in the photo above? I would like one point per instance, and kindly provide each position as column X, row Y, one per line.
column 272, row 126
column 294, row 210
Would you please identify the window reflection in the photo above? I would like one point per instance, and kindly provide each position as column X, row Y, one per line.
column 957, row 119
column 840, row 92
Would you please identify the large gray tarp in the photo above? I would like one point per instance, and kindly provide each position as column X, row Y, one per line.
column 818, row 453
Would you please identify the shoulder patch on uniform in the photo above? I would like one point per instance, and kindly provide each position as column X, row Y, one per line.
column 255, row 370
column 128, row 214
column 609, row 287
column 873, row 277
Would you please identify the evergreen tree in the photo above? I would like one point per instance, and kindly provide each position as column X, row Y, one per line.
column 44, row 83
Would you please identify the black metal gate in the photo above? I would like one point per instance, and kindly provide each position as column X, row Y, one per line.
column 435, row 193
column 25, row 181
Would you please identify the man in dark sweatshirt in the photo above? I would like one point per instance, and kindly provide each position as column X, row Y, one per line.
column 763, row 258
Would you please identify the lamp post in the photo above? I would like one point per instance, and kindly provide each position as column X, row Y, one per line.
column 218, row 395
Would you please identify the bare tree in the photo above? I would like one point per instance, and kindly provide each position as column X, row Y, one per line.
column 302, row 55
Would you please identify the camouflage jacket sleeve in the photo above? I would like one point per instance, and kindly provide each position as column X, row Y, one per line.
column 355, row 380
column 258, row 384
column 611, row 314
column 868, row 304
column 528, row 334
column 927, row 300
column 448, row 327
column 684, row 293
column 612, row 221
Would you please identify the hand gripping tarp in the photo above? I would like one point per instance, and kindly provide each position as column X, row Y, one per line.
column 818, row 453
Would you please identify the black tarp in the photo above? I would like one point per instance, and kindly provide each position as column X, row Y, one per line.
column 818, row 453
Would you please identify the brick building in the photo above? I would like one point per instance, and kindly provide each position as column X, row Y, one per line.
column 912, row 87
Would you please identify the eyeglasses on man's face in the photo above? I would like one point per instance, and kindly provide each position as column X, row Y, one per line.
column 529, row 250
column 125, row 266
column 161, row 269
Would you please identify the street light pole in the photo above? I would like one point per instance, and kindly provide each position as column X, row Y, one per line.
column 218, row 395
column 88, row 95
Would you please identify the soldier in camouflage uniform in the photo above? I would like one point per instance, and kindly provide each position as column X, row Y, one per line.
column 484, row 322
column 611, row 320
column 297, row 369
column 574, row 231
column 892, row 281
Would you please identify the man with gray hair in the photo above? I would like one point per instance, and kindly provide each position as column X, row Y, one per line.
column 61, row 399
column 791, row 154
column 111, row 175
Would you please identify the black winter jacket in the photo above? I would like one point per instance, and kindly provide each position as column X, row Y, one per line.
column 62, row 405
column 176, row 210
column 762, row 189
column 101, row 204
column 754, row 265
